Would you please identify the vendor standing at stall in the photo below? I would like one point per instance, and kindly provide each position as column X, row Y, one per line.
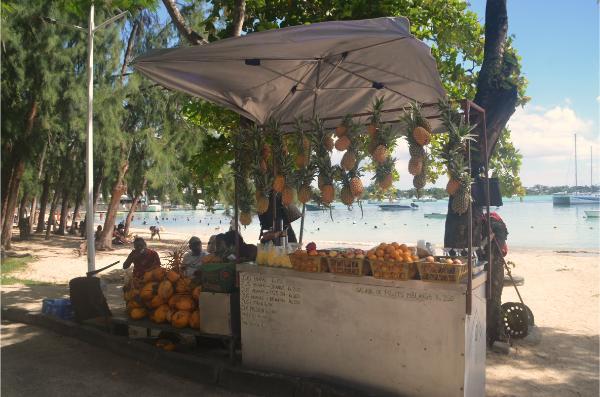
column 143, row 258
column 192, row 260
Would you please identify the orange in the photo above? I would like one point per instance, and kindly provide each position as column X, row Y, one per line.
column 403, row 246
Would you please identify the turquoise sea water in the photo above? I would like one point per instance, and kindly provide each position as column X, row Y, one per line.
column 532, row 223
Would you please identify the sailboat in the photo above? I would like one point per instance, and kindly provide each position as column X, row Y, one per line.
column 577, row 198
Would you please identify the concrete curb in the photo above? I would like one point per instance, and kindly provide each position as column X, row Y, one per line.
column 197, row 369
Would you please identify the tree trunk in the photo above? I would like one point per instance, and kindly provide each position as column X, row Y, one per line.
column 193, row 37
column 133, row 208
column 23, row 206
column 499, row 99
column 493, row 94
column 64, row 210
column 7, row 177
column 51, row 218
column 96, row 189
column 111, row 213
column 32, row 213
column 129, row 50
column 15, row 180
column 43, row 204
column 78, row 200
column 239, row 16
column 11, row 203
column 495, row 326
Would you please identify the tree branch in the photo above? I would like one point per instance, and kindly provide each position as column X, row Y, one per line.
column 193, row 37
column 129, row 49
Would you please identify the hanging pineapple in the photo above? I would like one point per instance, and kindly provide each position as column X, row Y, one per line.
column 384, row 173
column 279, row 149
column 418, row 135
column 305, row 172
column 461, row 200
column 375, row 119
column 323, row 162
column 260, row 172
column 342, row 129
column 354, row 148
column 382, row 140
column 455, row 155
column 383, row 144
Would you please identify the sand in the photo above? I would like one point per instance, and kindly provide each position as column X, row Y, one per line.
column 559, row 358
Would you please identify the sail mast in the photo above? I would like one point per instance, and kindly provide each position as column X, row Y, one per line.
column 575, row 162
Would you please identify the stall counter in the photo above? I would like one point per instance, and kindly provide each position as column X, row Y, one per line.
column 410, row 338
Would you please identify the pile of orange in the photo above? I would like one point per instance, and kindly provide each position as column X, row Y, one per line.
column 393, row 252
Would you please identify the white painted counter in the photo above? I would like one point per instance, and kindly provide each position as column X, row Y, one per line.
column 404, row 337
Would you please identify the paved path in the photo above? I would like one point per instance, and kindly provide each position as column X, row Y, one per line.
column 39, row 362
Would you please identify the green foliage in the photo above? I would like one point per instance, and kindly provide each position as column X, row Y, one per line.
column 505, row 164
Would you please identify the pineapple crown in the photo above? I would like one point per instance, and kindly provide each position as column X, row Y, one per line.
column 386, row 168
column 387, row 136
column 376, row 111
column 413, row 118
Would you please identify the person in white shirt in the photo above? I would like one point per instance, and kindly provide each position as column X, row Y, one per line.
column 192, row 260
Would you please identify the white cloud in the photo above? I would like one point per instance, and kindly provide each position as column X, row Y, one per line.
column 545, row 139
column 598, row 98
column 549, row 133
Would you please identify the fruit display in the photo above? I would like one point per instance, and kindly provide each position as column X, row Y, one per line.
column 348, row 262
column 308, row 261
column 164, row 295
column 440, row 268
column 393, row 261
column 273, row 256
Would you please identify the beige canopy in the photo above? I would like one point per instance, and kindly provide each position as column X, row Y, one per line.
column 327, row 69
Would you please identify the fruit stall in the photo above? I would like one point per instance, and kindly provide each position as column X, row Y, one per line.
column 397, row 318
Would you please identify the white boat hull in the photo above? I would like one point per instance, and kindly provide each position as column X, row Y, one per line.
column 592, row 213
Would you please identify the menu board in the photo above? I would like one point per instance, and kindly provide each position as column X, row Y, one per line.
column 263, row 296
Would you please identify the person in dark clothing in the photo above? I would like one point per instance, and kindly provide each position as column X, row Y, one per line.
column 495, row 326
column 283, row 220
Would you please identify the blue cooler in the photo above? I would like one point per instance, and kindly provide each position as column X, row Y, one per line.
column 60, row 308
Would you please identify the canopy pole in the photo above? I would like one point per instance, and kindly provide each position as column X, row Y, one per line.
column 89, row 150
column 309, row 149
column 236, row 201
column 469, row 293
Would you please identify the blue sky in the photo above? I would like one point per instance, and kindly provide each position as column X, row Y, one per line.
column 559, row 44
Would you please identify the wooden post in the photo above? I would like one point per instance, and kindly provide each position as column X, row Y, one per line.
column 302, row 225
column 236, row 207
column 469, row 294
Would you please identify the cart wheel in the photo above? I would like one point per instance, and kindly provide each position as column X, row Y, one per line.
column 516, row 319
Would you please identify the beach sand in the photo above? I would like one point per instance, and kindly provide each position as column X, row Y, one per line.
column 559, row 358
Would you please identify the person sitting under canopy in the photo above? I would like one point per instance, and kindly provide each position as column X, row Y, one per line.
column 143, row 258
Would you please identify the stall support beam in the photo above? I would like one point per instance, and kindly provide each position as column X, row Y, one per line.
column 236, row 207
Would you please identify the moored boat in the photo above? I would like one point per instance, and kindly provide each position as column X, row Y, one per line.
column 435, row 215
column 592, row 213
column 396, row 207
